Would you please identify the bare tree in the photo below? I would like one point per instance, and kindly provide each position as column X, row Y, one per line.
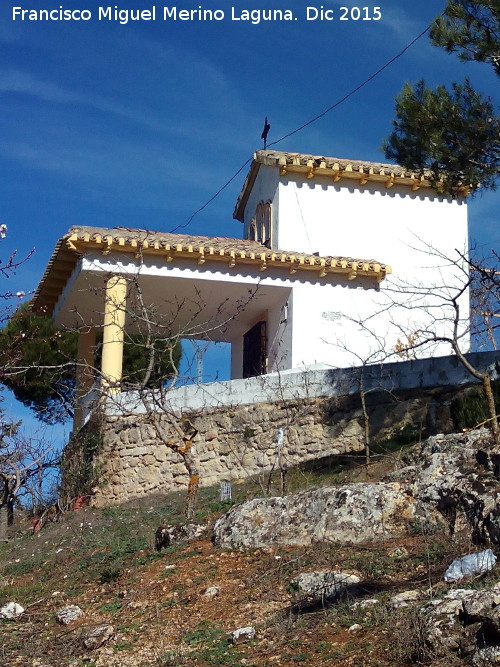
column 422, row 317
column 146, row 397
column 25, row 462
column 8, row 269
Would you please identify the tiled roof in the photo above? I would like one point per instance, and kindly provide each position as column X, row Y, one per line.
column 227, row 252
column 337, row 169
column 319, row 162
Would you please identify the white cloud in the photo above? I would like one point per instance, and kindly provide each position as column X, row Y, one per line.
column 16, row 81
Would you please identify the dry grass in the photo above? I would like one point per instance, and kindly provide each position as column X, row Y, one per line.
column 104, row 561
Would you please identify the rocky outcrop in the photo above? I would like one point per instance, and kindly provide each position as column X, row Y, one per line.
column 350, row 514
column 464, row 622
column 166, row 536
column 448, row 482
column 68, row 614
column 457, row 475
column 242, row 635
column 98, row 636
column 11, row 610
column 323, row 586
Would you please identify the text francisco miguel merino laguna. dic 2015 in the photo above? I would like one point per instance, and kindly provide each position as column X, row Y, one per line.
column 197, row 14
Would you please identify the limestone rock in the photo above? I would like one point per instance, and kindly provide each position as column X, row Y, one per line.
column 350, row 514
column 68, row 614
column 165, row 536
column 484, row 657
column 98, row 636
column 194, row 531
column 456, row 474
column 11, row 610
column 323, row 585
column 211, row 592
column 465, row 622
column 243, row 634
column 404, row 599
column 365, row 604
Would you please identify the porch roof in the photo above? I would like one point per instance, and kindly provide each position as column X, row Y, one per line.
column 227, row 252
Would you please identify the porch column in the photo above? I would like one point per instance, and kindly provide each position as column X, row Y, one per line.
column 113, row 334
column 84, row 373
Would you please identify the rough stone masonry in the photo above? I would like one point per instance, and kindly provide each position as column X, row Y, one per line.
column 241, row 442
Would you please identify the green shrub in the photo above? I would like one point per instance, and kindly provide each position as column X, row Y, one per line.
column 471, row 409
column 110, row 574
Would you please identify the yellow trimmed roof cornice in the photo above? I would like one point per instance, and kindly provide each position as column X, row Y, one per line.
column 223, row 253
column 340, row 170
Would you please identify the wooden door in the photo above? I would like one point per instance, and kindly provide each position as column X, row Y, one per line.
column 255, row 351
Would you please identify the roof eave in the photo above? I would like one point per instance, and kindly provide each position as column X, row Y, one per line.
column 239, row 209
column 78, row 241
column 59, row 268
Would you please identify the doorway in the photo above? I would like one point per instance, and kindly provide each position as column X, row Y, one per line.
column 255, row 351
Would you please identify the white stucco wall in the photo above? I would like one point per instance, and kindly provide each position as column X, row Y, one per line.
column 280, row 335
column 369, row 221
column 413, row 232
column 325, row 328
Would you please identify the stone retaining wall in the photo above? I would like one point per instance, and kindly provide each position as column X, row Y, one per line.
column 235, row 443
column 316, row 381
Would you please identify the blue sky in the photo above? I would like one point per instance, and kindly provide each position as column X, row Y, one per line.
column 139, row 124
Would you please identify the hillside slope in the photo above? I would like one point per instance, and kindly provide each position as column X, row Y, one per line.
column 179, row 606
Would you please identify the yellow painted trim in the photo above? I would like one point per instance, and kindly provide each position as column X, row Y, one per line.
column 70, row 243
column 348, row 172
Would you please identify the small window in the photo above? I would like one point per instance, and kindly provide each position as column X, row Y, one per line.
column 266, row 224
column 252, row 231
column 260, row 227
column 260, row 222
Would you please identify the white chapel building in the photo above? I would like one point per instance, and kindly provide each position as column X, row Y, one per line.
column 326, row 244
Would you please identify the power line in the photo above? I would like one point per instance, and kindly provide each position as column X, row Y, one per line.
column 212, row 197
column 353, row 91
column 309, row 122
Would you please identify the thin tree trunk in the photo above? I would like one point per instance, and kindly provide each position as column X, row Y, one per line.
column 4, row 520
column 485, row 379
column 283, row 472
column 490, row 399
column 10, row 510
column 366, row 419
column 193, row 485
column 4, row 512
